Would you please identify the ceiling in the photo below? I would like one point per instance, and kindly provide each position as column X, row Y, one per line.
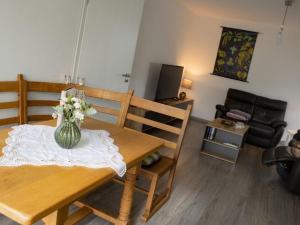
column 264, row 11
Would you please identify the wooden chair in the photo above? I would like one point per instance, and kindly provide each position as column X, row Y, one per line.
column 14, row 87
column 111, row 96
column 46, row 87
column 166, row 163
column 42, row 87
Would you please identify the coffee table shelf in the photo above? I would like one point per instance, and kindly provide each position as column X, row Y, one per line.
column 218, row 156
column 223, row 142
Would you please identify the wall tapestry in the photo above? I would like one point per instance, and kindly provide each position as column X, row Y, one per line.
column 235, row 53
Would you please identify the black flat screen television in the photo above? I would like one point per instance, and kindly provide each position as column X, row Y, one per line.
column 169, row 82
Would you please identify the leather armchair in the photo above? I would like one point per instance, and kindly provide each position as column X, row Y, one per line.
column 267, row 116
column 287, row 161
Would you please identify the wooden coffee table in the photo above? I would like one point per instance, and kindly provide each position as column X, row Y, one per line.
column 222, row 141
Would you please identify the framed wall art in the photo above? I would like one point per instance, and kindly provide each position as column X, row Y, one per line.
column 235, row 53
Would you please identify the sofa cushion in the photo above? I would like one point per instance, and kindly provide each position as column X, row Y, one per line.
column 242, row 96
column 272, row 104
column 261, row 130
column 259, row 141
column 267, row 110
column 241, row 113
column 236, row 116
column 236, row 104
column 240, row 100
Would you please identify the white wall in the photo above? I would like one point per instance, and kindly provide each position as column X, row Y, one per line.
column 171, row 33
column 38, row 38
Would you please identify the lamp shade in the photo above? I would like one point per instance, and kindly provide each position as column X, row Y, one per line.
column 186, row 83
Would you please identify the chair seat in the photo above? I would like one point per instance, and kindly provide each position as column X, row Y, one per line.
column 159, row 168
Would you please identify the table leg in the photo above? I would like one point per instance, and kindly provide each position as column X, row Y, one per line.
column 127, row 197
column 58, row 217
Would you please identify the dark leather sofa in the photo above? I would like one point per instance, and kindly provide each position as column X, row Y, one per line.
column 267, row 116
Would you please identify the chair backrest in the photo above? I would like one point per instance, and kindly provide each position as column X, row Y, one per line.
column 42, row 87
column 13, row 87
column 181, row 114
column 111, row 96
column 24, row 89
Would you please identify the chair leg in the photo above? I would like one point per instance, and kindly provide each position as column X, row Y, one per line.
column 153, row 205
column 157, row 205
column 150, row 198
column 171, row 180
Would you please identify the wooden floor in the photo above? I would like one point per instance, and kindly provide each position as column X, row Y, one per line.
column 211, row 192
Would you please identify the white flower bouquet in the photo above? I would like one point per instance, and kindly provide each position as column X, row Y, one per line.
column 73, row 109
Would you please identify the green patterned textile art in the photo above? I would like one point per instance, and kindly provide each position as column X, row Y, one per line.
column 235, row 53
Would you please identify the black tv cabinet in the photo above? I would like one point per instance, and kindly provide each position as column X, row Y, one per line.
column 182, row 104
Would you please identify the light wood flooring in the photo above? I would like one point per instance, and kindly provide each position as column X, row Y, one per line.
column 208, row 191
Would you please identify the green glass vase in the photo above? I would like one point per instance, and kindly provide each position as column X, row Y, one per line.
column 67, row 135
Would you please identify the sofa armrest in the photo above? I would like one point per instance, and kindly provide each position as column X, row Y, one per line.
column 278, row 123
column 222, row 108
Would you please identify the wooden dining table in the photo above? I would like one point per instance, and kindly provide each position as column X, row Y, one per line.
column 30, row 193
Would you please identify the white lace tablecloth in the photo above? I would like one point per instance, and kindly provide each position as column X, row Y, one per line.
column 35, row 145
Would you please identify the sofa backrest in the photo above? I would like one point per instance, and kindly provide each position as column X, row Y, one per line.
column 241, row 100
column 268, row 110
column 263, row 110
